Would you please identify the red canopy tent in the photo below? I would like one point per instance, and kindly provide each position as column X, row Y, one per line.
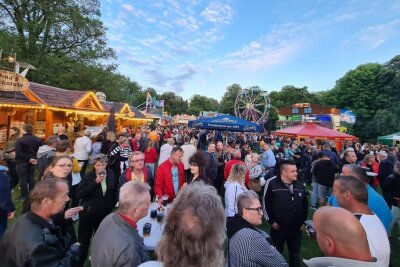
column 311, row 130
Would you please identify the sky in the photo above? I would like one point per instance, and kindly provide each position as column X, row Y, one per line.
column 202, row 47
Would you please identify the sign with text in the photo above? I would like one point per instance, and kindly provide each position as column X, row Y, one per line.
column 11, row 81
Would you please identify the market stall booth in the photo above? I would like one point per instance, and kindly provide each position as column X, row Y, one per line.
column 15, row 110
column 311, row 130
column 390, row 140
column 72, row 109
column 126, row 115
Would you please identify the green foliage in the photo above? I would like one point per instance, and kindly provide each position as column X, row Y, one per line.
column 200, row 103
column 370, row 92
column 174, row 104
column 289, row 95
column 64, row 28
column 227, row 104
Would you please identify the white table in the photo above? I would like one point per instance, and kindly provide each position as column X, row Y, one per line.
column 151, row 241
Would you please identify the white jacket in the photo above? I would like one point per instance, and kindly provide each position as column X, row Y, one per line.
column 232, row 190
column 82, row 148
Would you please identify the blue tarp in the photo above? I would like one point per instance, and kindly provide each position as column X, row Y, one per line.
column 226, row 123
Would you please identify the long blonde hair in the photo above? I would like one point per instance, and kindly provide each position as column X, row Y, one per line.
column 237, row 173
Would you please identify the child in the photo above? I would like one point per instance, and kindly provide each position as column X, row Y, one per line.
column 124, row 150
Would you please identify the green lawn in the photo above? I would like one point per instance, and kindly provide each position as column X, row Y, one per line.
column 309, row 247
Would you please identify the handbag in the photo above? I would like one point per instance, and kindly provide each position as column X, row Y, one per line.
column 254, row 184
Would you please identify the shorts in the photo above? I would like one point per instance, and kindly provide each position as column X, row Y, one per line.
column 324, row 191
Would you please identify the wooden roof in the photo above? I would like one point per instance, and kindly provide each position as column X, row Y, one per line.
column 123, row 108
column 16, row 98
column 62, row 98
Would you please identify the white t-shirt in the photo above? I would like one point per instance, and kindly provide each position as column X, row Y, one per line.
column 377, row 238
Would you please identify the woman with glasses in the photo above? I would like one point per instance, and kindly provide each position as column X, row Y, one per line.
column 137, row 171
column 249, row 246
column 234, row 186
column 98, row 194
column 60, row 168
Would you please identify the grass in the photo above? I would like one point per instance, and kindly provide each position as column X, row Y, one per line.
column 309, row 248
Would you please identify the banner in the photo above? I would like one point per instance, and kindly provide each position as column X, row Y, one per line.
column 154, row 106
column 11, row 81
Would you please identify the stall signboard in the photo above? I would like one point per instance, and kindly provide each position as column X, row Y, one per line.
column 11, row 81
column 94, row 130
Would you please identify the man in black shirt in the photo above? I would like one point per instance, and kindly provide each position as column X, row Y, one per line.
column 285, row 208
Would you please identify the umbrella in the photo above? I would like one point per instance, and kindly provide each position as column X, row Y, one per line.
column 311, row 130
column 226, row 123
column 111, row 124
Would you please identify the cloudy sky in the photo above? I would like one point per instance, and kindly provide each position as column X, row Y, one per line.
column 202, row 47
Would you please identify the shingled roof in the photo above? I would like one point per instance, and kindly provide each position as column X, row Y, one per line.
column 16, row 98
column 56, row 97
column 118, row 106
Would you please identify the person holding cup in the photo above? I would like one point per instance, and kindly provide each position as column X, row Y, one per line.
column 98, row 194
column 117, row 241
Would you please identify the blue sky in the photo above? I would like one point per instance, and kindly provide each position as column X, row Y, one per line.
column 202, row 47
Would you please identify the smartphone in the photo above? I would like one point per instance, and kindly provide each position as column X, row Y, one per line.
column 310, row 228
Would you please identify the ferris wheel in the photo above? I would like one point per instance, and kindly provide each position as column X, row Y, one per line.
column 253, row 104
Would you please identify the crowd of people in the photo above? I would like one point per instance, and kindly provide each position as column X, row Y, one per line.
column 221, row 185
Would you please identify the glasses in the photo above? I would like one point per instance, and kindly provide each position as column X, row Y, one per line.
column 65, row 165
column 259, row 209
column 138, row 160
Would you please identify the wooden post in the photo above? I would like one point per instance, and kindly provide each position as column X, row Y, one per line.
column 49, row 123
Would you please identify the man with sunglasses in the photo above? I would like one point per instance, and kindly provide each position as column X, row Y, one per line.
column 248, row 245
column 285, row 207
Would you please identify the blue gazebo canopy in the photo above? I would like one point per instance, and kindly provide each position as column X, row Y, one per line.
column 226, row 123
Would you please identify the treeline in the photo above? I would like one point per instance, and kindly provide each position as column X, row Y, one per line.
column 65, row 40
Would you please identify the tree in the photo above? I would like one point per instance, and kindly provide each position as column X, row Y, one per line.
column 366, row 90
column 64, row 28
column 289, row 95
column 174, row 104
column 200, row 103
column 227, row 104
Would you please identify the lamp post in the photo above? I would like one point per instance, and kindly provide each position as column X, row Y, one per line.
column 10, row 57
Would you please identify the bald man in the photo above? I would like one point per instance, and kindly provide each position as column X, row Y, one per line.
column 352, row 195
column 342, row 239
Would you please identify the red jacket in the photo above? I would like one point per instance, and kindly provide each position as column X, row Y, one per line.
column 163, row 183
column 375, row 169
column 228, row 167
column 150, row 156
column 134, row 145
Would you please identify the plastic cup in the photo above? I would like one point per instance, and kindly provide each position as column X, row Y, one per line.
column 146, row 229
column 164, row 199
column 160, row 216
column 153, row 213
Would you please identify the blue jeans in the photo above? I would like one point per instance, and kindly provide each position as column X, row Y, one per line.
column 314, row 194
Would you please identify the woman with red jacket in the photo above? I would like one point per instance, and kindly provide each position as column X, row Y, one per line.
column 150, row 155
column 373, row 166
column 137, row 171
